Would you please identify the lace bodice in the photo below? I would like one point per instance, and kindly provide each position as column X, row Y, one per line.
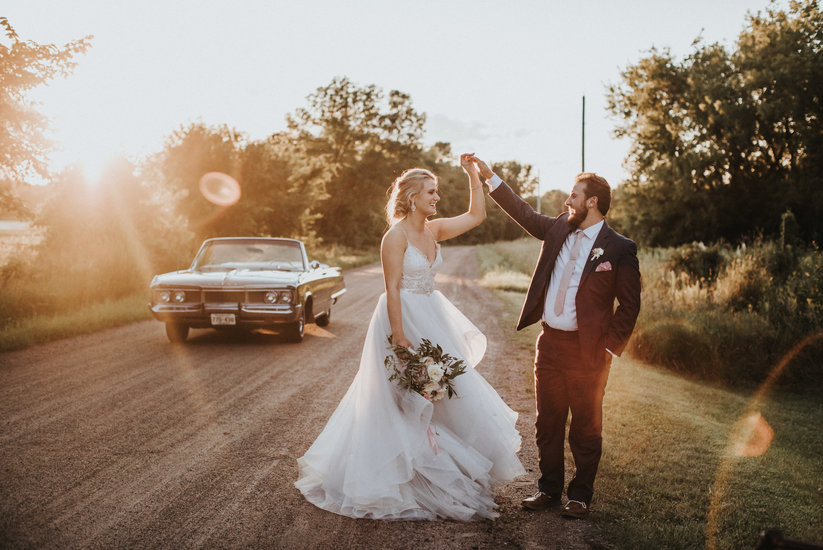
column 418, row 274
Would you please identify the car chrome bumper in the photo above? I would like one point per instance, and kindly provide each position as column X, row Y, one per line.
column 246, row 315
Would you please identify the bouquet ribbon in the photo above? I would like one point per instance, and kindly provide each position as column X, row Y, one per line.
column 432, row 442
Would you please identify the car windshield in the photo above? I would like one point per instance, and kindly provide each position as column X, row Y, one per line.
column 282, row 255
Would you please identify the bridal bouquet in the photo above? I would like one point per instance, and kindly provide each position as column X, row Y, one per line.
column 429, row 371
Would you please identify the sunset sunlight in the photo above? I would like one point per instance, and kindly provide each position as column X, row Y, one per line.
column 465, row 274
column 91, row 161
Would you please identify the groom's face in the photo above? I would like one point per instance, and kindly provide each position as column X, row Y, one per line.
column 576, row 203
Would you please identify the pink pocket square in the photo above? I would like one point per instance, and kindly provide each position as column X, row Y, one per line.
column 605, row 266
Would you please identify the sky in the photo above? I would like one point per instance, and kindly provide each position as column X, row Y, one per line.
column 501, row 78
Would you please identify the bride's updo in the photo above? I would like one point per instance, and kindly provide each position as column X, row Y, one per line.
column 407, row 184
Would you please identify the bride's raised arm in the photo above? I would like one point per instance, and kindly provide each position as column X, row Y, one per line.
column 447, row 228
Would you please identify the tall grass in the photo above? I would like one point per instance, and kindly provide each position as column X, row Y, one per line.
column 508, row 265
column 732, row 314
column 719, row 313
column 92, row 318
column 343, row 257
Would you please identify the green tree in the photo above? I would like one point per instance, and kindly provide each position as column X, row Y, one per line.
column 553, row 203
column 23, row 146
column 269, row 200
column 190, row 152
column 350, row 143
column 725, row 141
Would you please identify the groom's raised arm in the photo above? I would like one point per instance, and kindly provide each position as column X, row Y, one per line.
column 536, row 225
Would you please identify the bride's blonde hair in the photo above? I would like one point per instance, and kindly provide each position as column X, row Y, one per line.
column 407, row 184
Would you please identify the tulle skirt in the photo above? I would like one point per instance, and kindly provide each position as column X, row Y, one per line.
column 388, row 453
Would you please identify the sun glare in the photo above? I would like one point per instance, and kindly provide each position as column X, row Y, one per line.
column 91, row 159
column 90, row 144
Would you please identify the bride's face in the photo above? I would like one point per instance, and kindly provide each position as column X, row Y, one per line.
column 426, row 200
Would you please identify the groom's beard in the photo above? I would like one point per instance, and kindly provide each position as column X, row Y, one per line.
column 577, row 218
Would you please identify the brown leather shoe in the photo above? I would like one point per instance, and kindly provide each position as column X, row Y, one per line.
column 575, row 509
column 540, row 501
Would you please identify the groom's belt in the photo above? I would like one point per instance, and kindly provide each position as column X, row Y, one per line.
column 557, row 332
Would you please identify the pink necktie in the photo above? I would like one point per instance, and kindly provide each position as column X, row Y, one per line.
column 560, row 302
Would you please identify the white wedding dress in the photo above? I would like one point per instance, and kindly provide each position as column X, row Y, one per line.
column 375, row 457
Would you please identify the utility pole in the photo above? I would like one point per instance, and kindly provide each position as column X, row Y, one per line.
column 583, row 140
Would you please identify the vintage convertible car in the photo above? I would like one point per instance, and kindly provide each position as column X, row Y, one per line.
column 247, row 283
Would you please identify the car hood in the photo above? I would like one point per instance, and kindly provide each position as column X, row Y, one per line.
column 235, row 277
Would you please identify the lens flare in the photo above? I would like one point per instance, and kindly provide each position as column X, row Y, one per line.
column 219, row 188
column 754, row 436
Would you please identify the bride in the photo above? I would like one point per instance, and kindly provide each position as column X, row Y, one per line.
column 389, row 453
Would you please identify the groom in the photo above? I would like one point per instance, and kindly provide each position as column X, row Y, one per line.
column 584, row 265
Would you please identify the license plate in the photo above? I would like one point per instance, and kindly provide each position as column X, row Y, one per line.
column 223, row 319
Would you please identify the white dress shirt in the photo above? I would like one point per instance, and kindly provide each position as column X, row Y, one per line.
column 568, row 319
column 494, row 182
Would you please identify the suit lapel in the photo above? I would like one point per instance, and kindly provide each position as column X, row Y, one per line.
column 601, row 241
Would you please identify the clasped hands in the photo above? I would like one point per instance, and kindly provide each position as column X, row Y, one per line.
column 470, row 163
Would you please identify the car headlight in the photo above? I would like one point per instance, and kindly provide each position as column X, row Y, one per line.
column 270, row 297
column 179, row 296
column 285, row 297
column 165, row 296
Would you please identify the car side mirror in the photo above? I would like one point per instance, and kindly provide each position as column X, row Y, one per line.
column 315, row 264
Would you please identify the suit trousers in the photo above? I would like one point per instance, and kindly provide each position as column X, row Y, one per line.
column 564, row 383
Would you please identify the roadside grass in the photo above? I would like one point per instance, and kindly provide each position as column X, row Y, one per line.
column 39, row 329
column 671, row 476
column 24, row 330
column 507, row 265
column 343, row 257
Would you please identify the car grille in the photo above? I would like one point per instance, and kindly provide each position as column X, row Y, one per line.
column 223, row 296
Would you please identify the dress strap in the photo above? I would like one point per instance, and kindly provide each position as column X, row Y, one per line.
column 405, row 233
column 430, row 233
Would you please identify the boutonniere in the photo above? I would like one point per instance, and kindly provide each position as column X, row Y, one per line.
column 596, row 253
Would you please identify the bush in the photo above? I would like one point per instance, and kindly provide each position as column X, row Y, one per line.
column 763, row 301
column 676, row 344
column 698, row 261
column 747, row 288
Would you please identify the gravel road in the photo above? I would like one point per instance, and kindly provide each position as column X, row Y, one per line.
column 120, row 439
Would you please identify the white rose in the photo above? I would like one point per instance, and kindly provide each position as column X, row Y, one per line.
column 435, row 372
column 428, row 361
column 431, row 388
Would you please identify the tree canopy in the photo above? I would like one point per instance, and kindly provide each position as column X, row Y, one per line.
column 350, row 143
column 326, row 178
column 23, row 146
column 726, row 140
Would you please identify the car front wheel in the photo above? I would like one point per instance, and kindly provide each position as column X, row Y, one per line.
column 296, row 330
column 176, row 332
